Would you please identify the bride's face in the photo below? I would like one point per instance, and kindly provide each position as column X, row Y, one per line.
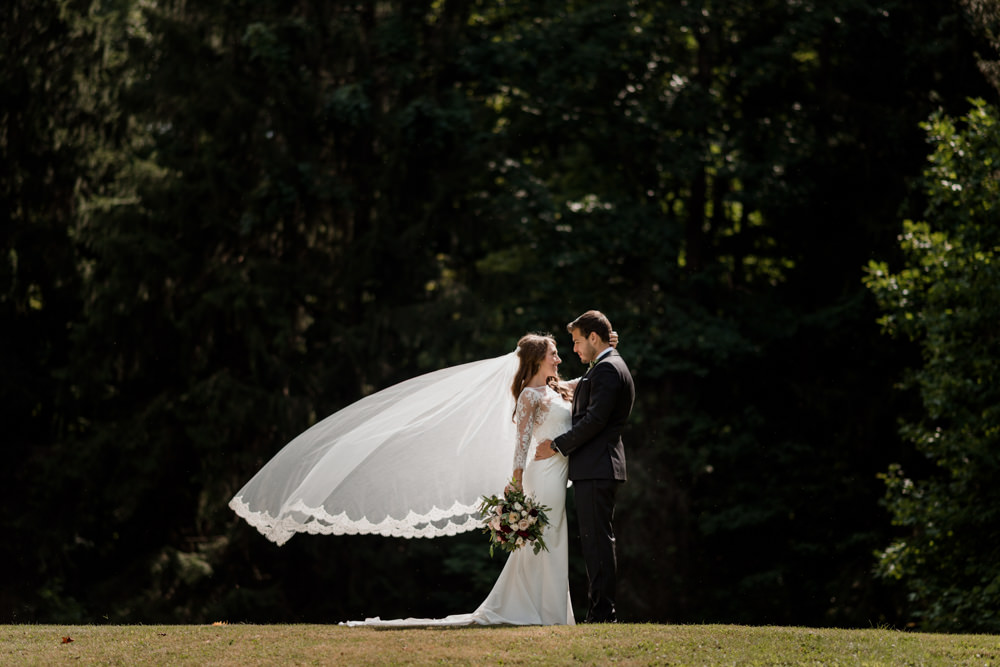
column 550, row 362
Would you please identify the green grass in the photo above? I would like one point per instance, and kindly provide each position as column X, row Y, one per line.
column 625, row 644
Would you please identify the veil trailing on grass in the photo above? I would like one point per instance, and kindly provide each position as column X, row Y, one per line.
column 408, row 461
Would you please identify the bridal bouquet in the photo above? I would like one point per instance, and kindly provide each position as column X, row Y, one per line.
column 514, row 520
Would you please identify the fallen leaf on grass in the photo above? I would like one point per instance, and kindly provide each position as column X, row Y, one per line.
column 67, row 640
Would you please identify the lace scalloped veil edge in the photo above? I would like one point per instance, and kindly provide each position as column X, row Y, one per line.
column 280, row 530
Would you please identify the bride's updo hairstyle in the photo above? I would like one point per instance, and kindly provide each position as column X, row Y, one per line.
column 531, row 351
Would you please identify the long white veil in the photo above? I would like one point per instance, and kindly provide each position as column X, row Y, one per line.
column 408, row 461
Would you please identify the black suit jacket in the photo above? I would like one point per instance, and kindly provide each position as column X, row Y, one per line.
column 601, row 403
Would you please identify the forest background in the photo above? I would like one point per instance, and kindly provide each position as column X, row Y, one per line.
column 224, row 220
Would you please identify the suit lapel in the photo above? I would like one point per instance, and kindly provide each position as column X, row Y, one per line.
column 577, row 394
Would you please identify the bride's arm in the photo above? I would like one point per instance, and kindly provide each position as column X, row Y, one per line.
column 527, row 404
column 569, row 384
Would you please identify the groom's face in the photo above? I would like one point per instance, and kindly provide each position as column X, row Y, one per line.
column 583, row 347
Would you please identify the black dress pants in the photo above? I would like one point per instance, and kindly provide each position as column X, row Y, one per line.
column 595, row 511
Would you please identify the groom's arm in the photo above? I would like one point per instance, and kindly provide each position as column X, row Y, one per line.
column 605, row 384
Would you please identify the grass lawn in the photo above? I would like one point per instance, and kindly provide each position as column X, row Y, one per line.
column 625, row 644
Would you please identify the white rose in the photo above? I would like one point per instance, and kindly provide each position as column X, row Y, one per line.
column 518, row 507
column 520, row 542
column 532, row 520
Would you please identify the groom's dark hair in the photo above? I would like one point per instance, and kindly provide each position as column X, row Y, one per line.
column 592, row 321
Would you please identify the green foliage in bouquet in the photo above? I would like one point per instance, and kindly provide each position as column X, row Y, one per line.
column 514, row 520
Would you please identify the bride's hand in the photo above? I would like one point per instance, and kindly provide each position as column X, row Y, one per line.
column 613, row 339
column 514, row 484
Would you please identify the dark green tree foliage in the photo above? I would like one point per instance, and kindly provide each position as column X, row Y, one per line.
column 985, row 18
column 719, row 172
column 58, row 80
column 946, row 297
column 266, row 260
column 317, row 199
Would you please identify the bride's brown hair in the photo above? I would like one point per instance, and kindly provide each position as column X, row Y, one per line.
column 531, row 351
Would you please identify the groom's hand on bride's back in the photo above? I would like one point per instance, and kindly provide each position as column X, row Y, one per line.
column 613, row 339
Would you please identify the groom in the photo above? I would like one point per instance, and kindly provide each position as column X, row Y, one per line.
column 602, row 402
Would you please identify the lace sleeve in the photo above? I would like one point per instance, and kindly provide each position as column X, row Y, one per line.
column 527, row 406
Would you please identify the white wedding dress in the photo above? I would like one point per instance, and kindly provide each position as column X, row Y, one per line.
column 533, row 589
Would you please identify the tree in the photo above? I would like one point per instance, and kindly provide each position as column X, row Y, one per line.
column 302, row 203
column 718, row 171
column 985, row 18
column 266, row 248
column 59, row 85
column 946, row 298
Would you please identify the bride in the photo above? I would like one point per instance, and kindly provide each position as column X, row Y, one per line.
column 533, row 589
column 365, row 469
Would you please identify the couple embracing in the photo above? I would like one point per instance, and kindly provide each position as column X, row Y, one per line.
column 565, row 430
column 577, row 429
column 332, row 478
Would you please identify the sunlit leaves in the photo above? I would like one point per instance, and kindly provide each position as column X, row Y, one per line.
column 946, row 297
